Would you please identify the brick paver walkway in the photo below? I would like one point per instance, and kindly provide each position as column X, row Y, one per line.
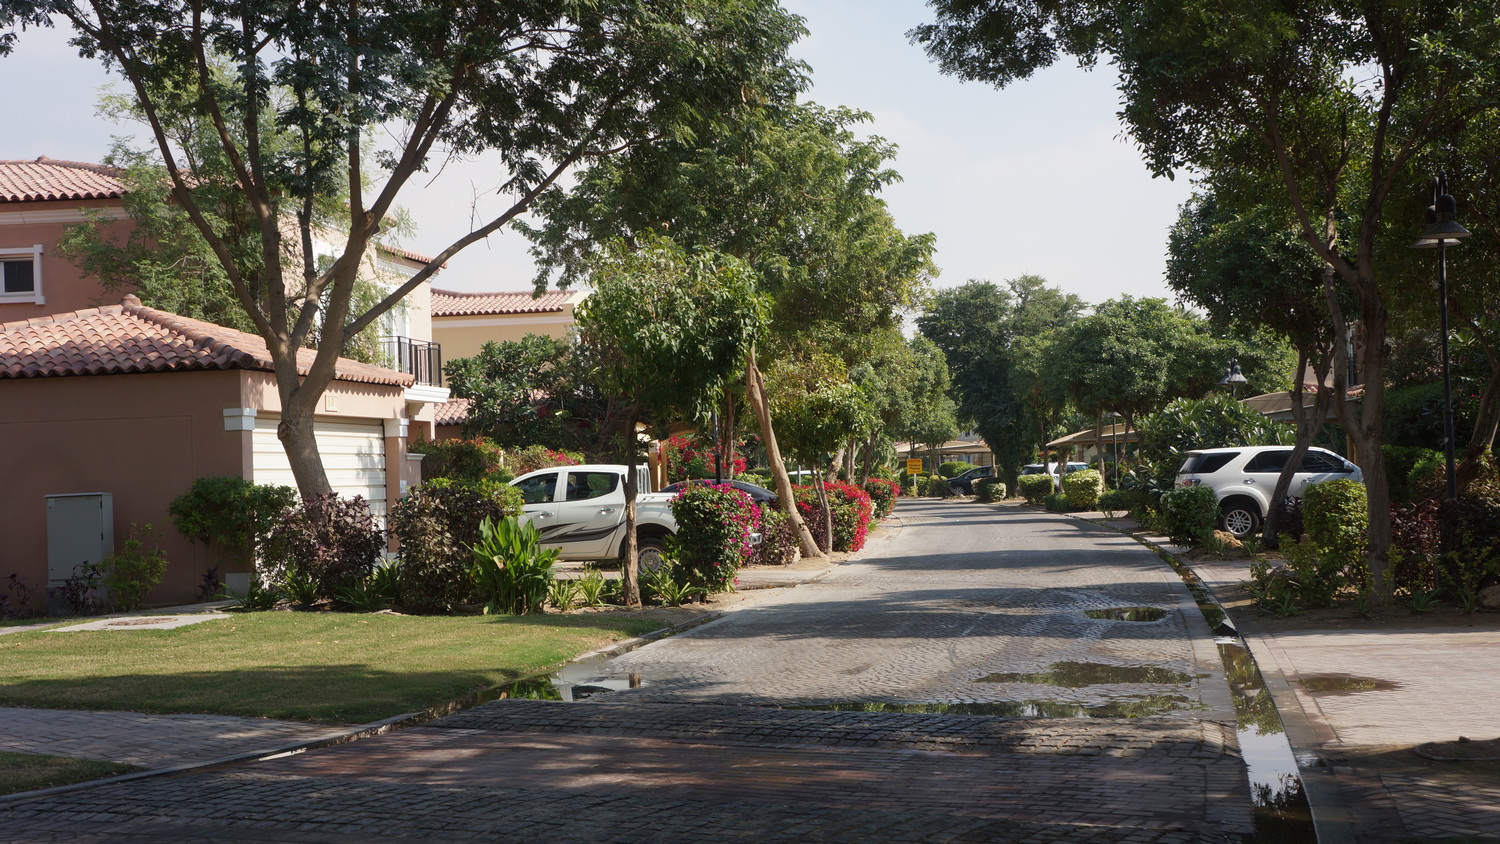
column 963, row 604
column 151, row 741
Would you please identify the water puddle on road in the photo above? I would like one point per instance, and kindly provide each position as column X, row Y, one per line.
column 1134, row 708
column 1076, row 675
column 1345, row 684
column 1128, row 614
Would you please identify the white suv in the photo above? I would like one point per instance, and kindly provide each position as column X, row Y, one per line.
column 1245, row 478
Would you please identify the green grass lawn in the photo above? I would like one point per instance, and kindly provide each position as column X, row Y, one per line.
column 337, row 668
column 31, row 771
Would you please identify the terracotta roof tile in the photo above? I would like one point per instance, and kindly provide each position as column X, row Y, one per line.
column 49, row 179
column 409, row 255
column 130, row 337
column 451, row 412
column 447, row 303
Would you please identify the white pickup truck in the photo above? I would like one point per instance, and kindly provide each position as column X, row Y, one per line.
column 580, row 510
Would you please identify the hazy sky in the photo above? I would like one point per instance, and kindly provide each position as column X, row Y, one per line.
column 1035, row 179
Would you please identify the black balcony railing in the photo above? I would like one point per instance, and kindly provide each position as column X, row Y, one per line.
column 417, row 358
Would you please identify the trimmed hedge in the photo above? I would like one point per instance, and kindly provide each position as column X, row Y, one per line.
column 1083, row 488
column 938, row 487
column 1113, row 501
column 1057, row 502
column 1189, row 514
column 954, row 468
column 1337, row 520
column 988, row 490
column 1034, row 488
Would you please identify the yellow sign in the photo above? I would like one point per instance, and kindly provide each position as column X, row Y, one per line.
column 914, row 466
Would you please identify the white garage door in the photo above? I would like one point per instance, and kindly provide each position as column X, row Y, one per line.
column 353, row 456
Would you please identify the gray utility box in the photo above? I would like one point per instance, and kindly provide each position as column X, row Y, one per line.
column 80, row 529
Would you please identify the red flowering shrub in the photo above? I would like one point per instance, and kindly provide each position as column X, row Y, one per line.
column 534, row 457
column 714, row 523
column 686, row 459
column 852, row 511
column 884, row 494
column 778, row 539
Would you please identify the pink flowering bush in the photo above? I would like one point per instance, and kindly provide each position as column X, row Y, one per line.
column 714, row 525
column 852, row 511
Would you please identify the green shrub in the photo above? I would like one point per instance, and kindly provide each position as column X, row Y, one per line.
column 938, row 487
column 460, row 460
column 132, row 572
column 326, row 542
column 1337, row 521
column 989, row 489
column 1399, row 463
column 1112, row 501
column 231, row 514
column 1083, row 488
column 437, row 524
column 1057, row 502
column 512, row 571
column 714, row 524
column 954, row 468
column 883, row 495
column 1189, row 514
column 1034, row 488
column 759, row 477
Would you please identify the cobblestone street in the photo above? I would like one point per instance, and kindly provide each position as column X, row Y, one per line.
column 854, row 708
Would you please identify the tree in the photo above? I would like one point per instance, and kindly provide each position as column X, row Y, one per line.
column 905, row 383
column 536, row 391
column 1335, row 100
column 1252, row 270
column 980, row 326
column 790, row 190
column 546, row 85
column 669, row 329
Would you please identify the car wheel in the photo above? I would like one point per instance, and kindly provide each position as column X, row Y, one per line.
column 648, row 553
column 1239, row 520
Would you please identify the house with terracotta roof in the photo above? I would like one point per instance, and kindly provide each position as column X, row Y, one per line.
column 463, row 322
column 127, row 405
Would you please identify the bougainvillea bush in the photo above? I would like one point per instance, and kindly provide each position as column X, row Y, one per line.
column 714, row 524
column 688, row 459
column 533, row 457
column 884, row 494
column 852, row 512
column 778, row 539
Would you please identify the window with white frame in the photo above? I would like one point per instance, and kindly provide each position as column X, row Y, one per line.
column 21, row 274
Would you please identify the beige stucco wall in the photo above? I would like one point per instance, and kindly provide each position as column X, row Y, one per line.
column 462, row 337
column 142, row 438
column 25, row 224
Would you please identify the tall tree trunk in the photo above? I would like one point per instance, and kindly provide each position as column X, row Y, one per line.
column 821, row 489
column 727, row 421
column 867, row 461
column 1309, row 423
column 755, row 394
column 630, row 566
column 298, row 436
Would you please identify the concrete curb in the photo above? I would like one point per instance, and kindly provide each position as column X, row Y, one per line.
column 1307, row 730
column 348, row 734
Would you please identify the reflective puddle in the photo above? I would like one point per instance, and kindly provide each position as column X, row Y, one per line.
column 1345, row 684
column 1280, row 805
column 1135, row 708
column 1128, row 614
column 1076, row 675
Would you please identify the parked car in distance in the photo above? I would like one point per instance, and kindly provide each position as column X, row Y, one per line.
column 758, row 494
column 965, row 483
column 1244, row 479
column 1051, row 468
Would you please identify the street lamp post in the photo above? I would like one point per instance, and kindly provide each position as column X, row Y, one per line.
column 1443, row 229
column 1233, row 378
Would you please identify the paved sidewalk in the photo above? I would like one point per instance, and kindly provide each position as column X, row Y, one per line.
column 1355, row 747
column 150, row 741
